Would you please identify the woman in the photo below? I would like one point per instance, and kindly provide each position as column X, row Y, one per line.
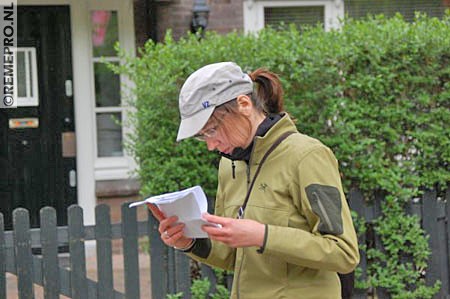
column 286, row 229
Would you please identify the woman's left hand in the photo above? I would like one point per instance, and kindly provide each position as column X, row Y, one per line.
column 235, row 232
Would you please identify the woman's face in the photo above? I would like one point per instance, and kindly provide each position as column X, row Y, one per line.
column 225, row 133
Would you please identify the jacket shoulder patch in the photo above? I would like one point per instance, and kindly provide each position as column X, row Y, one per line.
column 326, row 203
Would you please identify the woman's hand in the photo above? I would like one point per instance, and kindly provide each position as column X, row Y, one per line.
column 171, row 231
column 235, row 232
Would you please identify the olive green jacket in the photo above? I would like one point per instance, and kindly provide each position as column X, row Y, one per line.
column 309, row 235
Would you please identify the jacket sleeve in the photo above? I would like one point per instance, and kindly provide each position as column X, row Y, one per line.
column 220, row 256
column 331, row 242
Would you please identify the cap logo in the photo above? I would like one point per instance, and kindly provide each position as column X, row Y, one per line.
column 205, row 104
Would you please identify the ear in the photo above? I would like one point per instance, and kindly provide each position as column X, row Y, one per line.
column 245, row 104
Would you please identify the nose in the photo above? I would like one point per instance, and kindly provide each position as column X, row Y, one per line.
column 211, row 143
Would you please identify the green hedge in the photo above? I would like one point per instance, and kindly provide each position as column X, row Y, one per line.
column 377, row 92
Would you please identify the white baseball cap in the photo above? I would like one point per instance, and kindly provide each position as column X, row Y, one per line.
column 207, row 88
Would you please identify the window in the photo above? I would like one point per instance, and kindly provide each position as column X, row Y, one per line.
column 360, row 8
column 27, row 83
column 111, row 21
column 299, row 16
column 108, row 104
column 299, row 12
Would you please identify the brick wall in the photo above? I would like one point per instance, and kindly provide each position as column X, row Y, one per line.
column 225, row 16
column 141, row 22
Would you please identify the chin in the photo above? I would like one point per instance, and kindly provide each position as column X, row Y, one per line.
column 227, row 151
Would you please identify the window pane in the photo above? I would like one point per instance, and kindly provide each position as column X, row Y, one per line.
column 360, row 8
column 21, row 75
column 107, row 86
column 104, row 32
column 26, row 76
column 31, row 63
column 298, row 15
column 109, row 135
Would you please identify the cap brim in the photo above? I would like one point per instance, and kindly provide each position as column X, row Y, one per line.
column 192, row 125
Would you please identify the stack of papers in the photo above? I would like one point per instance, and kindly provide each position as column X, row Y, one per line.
column 188, row 205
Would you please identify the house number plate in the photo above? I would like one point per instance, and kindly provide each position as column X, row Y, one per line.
column 24, row 123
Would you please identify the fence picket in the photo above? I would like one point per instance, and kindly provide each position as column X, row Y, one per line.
column 2, row 259
column 358, row 204
column 49, row 241
column 77, row 253
column 158, row 260
column 429, row 212
column 442, row 244
column 104, row 252
column 183, row 274
column 130, row 251
column 378, row 199
column 22, row 250
column 171, row 270
column 447, row 219
column 208, row 273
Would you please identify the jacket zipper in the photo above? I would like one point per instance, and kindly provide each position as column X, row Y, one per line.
column 324, row 212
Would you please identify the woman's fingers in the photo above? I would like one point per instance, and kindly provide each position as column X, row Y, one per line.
column 168, row 223
column 156, row 211
column 216, row 219
column 235, row 232
column 172, row 233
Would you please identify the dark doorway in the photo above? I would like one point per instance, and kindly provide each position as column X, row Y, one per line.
column 37, row 139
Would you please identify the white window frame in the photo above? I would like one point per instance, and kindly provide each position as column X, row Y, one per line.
column 254, row 12
column 31, row 86
column 114, row 168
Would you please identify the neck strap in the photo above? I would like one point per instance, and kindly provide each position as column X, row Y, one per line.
column 252, row 183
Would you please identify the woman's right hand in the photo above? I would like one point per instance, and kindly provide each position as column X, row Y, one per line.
column 171, row 232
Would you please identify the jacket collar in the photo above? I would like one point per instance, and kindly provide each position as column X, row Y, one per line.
column 262, row 143
column 268, row 131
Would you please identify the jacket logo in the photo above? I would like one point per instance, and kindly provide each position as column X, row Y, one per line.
column 205, row 104
column 263, row 187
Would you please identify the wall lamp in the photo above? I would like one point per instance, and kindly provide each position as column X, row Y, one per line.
column 200, row 16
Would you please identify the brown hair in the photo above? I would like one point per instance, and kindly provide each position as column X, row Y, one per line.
column 269, row 92
column 236, row 125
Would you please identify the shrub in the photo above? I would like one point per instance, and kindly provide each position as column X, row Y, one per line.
column 377, row 92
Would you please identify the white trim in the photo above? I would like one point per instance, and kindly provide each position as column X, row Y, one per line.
column 107, row 59
column 114, row 168
column 111, row 168
column 81, row 53
column 45, row 2
column 31, row 87
column 254, row 12
column 113, row 109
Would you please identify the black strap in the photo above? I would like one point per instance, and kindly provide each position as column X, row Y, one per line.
column 270, row 150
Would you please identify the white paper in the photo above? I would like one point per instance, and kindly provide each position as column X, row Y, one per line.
column 188, row 205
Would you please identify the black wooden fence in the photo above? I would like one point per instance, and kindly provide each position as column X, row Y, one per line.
column 16, row 254
column 170, row 269
column 434, row 215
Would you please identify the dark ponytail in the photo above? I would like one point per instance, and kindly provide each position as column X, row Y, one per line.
column 269, row 92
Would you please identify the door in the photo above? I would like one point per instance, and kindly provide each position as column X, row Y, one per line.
column 37, row 150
